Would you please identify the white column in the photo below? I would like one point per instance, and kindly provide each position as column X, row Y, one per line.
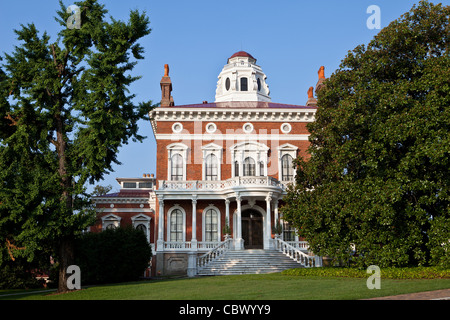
column 268, row 237
column 227, row 212
column 194, row 223
column 275, row 212
column 239, row 242
column 160, row 242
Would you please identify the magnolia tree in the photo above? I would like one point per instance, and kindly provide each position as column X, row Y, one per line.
column 65, row 110
column 376, row 189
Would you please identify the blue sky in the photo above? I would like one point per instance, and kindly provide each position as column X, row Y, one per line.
column 290, row 39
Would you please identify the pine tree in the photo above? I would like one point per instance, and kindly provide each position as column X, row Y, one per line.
column 65, row 111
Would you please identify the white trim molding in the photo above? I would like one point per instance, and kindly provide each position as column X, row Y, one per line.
column 144, row 220
column 255, row 150
column 183, row 227
column 217, row 151
column 110, row 220
column 283, row 150
column 172, row 150
column 219, row 230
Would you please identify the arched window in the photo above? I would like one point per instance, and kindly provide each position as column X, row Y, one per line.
column 236, row 169
column 244, row 84
column 211, row 168
column 249, row 167
column 211, row 225
column 176, row 225
column 110, row 226
column 142, row 228
column 287, row 170
column 176, row 170
column 261, row 169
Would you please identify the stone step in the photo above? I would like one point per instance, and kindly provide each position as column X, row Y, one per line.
column 249, row 262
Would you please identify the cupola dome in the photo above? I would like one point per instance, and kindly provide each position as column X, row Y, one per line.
column 242, row 80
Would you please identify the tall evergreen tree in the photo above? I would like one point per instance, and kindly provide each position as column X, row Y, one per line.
column 378, row 179
column 65, row 110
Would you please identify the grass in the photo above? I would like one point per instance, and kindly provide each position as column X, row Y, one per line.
column 275, row 286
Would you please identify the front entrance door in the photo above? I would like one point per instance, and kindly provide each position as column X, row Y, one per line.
column 252, row 229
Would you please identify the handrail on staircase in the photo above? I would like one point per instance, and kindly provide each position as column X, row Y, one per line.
column 213, row 254
column 297, row 255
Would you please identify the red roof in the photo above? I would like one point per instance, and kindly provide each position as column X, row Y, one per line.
column 242, row 54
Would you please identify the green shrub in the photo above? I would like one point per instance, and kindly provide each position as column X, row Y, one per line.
column 116, row 255
column 17, row 275
column 386, row 273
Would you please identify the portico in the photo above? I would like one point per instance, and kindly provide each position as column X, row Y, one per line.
column 251, row 196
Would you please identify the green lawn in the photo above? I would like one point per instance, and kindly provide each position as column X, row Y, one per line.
column 245, row 287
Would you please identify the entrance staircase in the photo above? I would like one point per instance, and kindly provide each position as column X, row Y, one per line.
column 249, row 262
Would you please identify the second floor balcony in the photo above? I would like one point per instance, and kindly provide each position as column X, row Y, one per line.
column 222, row 185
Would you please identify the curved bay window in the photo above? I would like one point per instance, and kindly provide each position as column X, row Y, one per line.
column 176, row 225
column 176, row 170
column 287, row 169
column 211, row 225
column 211, row 168
column 249, row 167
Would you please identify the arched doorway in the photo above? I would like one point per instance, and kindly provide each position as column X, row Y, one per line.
column 252, row 229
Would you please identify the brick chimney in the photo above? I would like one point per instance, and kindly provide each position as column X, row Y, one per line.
column 166, row 89
column 312, row 102
column 322, row 78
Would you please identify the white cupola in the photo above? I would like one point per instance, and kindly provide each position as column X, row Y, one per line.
column 242, row 80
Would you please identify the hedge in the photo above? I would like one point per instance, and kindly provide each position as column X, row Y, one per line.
column 386, row 273
column 115, row 255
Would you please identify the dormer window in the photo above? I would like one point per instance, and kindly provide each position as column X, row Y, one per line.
column 244, row 84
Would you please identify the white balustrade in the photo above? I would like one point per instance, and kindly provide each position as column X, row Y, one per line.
column 297, row 255
column 213, row 254
column 220, row 185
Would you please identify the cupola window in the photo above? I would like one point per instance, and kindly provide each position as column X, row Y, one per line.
column 227, row 84
column 244, row 84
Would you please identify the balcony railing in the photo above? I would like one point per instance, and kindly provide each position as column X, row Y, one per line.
column 222, row 184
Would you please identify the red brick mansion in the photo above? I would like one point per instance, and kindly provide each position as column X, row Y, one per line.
column 222, row 173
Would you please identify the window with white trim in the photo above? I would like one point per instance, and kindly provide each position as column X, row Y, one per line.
column 176, row 168
column 212, row 159
column 177, row 158
column 286, row 155
column 249, row 167
column 211, row 224
column 249, row 159
column 176, row 225
column 142, row 222
column 110, row 221
column 287, row 168
column 211, row 168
